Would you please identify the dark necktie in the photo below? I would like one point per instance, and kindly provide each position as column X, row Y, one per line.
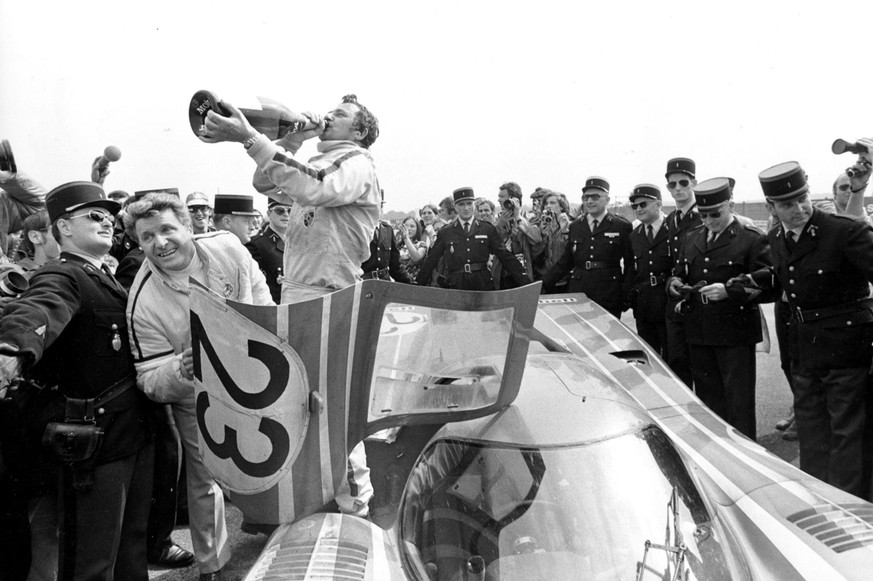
column 678, row 217
column 710, row 238
column 790, row 242
column 594, row 225
column 466, row 228
column 650, row 233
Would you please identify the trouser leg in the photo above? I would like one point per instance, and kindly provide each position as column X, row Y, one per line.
column 162, row 516
column 205, row 497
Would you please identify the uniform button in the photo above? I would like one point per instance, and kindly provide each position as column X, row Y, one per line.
column 705, row 271
column 791, row 281
column 793, row 296
column 101, row 411
column 730, row 261
column 849, row 322
column 819, row 271
column 791, row 269
column 706, row 260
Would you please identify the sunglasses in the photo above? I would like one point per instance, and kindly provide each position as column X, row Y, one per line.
column 682, row 183
column 96, row 216
column 280, row 211
column 198, row 209
column 710, row 215
column 641, row 205
column 844, row 187
column 594, row 197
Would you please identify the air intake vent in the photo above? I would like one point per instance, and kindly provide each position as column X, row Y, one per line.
column 328, row 559
column 840, row 527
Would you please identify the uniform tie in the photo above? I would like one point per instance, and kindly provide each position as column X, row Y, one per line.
column 789, row 240
column 650, row 233
column 710, row 237
column 594, row 225
column 466, row 228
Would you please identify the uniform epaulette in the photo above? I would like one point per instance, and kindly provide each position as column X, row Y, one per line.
column 754, row 229
column 619, row 218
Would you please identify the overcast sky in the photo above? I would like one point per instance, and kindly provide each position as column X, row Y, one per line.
column 467, row 93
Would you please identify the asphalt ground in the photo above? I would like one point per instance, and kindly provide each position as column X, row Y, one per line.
column 773, row 404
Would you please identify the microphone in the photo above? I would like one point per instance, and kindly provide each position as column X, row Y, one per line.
column 111, row 153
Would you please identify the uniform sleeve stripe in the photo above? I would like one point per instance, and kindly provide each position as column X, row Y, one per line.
column 156, row 356
column 139, row 356
column 312, row 172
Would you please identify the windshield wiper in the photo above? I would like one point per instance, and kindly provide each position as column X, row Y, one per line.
column 676, row 550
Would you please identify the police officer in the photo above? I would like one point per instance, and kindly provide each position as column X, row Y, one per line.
column 268, row 247
column 650, row 268
column 597, row 247
column 384, row 261
column 681, row 180
column 68, row 329
column 466, row 244
column 823, row 264
column 722, row 322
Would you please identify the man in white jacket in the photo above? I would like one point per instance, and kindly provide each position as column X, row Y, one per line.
column 336, row 202
column 160, row 338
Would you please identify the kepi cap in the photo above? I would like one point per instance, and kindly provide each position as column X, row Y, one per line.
column 649, row 191
column 783, row 182
column 273, row 203
column 711, row 193
column 681, row 165
column 465, row 193
column 596, row 183
column 235, row 205
column 197, row 199
column 74, row 195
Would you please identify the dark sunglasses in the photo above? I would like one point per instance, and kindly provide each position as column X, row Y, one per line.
column 594, row 197
column 844, row 187
column 641, row 205
column 280, row 211
column 683, row 183
column 198, row 209
column 710, row 215
column 96, row 216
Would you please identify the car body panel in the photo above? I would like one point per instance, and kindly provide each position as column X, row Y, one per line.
column 586, row 384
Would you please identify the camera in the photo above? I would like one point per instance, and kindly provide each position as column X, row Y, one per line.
column 12, row 281
column 7, row 160
column 548, row 217
column 842, row 146
column 507, row 204
column 858, row 170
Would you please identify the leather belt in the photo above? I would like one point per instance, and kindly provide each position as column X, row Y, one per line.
column 379, row 273
column 470, row 267
column 594, row 264
column 813, row 315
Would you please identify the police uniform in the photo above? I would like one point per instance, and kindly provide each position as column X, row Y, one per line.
column 679, row 224
column 466, row 254
column 384, row 261
column 824, row 275
column 68, row 329
column 268, row 250
column 594, row 259
column 722, row 334
column 651, row 268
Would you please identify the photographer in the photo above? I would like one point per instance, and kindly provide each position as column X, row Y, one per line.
column 517, row 235
column 554, row 226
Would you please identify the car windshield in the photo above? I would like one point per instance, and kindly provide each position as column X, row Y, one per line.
column 621, row 508
column 432, row 360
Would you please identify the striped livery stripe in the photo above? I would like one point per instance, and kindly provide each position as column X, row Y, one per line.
column 319, row 174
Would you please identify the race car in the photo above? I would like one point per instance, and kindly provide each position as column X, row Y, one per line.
column 562, row 446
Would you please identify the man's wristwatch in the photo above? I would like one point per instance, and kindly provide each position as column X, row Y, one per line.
column 248, row 143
